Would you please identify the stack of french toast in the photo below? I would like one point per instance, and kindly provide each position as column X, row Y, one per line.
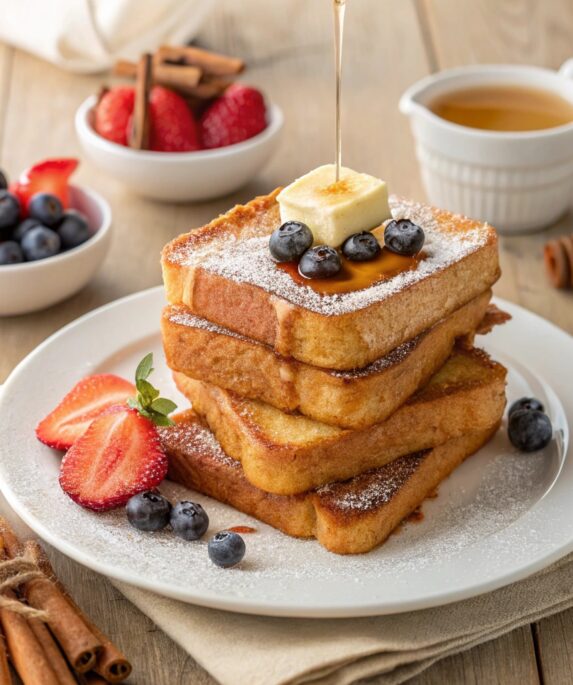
column 330, row 407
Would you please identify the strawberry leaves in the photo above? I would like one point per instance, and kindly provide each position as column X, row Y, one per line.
column 147, row 401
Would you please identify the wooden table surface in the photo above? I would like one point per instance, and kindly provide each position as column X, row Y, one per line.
column 288, row 47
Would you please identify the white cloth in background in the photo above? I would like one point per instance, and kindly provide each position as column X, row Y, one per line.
column 89, row 35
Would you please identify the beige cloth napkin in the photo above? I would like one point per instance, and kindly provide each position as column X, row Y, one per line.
column 250, row 650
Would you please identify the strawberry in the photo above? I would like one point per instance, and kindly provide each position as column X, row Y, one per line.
column 85, row 402
column 50, row 176
column 173, row 128
column 113, row 114
column 120, row 454
column 237, row 115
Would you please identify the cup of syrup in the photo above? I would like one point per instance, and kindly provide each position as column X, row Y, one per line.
column 495, row 142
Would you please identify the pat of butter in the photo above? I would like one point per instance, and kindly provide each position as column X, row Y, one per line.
column 334, row 210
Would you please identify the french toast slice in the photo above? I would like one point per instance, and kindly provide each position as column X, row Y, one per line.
column 350, row 399
column 289, row 453
column 349, row 517
column 224, row 273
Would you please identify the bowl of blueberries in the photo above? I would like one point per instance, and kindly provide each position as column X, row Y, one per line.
column 53, row 237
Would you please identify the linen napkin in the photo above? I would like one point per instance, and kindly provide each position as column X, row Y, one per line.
column 89, row 35
column 250, row 650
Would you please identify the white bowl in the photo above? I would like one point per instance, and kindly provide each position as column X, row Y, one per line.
column 517, row 181
column 180, row 176
column 31, row 286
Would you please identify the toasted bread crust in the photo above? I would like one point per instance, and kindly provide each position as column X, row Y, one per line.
column 288, row 454
column 350, row 400
column 347, row 518
column 345, row 341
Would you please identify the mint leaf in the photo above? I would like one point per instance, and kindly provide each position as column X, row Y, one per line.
column 144, row 368
column 160, row 420
column 147, row 391
column 163, row 406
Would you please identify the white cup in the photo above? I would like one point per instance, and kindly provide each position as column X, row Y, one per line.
column 517, row 181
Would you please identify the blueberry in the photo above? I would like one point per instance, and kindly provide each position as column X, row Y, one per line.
column 361, row 247
column 10, row 253
column 189, row 520
column 24, row 227
column 226, row 549
column 40, row 242
column 3, row 181
column 289, row 242
column 529, row 430
column 46, row 208
column 404, row 237
column 148, row 511
column 321, row 261
column 9, row 209
column 74, row 229
column 526, row 403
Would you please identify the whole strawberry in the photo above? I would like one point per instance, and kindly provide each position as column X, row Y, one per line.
column 239, row 114
column 113, row 114
column 173, row 128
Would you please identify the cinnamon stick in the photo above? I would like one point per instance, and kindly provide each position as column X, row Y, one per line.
column 112, row 664
column 179, row 77
column 139, row 134
column 210, row 62
column 55, row 657
column 5, row 677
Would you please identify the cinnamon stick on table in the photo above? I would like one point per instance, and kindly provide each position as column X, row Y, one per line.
column 139, row 134
column 181, row 77
column 5, row 677
column 52, row 651
column 209, row 62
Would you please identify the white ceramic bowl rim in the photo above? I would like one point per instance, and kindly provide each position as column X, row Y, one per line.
column 417, row 95
column 275, row 121
column 70, row 254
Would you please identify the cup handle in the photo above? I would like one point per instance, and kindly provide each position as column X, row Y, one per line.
column 566, row 69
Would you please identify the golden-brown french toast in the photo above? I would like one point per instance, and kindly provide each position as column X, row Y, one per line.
column 290, row 453
column 224, row 273
column 350, row 399
column 350, row 517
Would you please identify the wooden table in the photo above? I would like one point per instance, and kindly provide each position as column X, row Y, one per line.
column 288, row 46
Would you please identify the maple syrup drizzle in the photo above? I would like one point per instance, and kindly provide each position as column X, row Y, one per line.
column 339, row 11
column 242, row 529
column 356, row 275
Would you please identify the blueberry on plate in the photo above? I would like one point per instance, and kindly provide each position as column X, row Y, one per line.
column 526, row 403
column 9, row 209
column 39, row 243
column 10, row 253
column 73, row 229
column 404, row 237
column 189, row 520
column 3, row 181
column 290, row 241
column 23, row 227
column 529, row 430
column 226, row 549
column 361, row 247
column 46, row 208
column 148, row 511
column 321, row 261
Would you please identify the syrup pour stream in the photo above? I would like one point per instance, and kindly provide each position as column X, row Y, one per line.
column 339, row 10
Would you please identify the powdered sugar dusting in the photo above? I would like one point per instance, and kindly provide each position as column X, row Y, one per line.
column 181, row 316
column 247, row 260
column 193, row 438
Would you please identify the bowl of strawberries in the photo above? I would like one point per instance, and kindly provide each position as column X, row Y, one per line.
column 53, row 236
column 184, row 131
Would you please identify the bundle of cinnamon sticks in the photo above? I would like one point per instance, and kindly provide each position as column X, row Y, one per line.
column 196, row 74
column 56, row 644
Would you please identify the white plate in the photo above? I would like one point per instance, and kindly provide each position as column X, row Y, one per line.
column 500, row 517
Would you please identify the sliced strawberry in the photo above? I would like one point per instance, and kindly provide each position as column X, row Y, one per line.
column 50, row 176
column 173, row 127
column 86, row 401
column 118, row 456
column 113, row 113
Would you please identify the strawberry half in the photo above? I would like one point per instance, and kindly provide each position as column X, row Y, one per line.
column 113, row 113
column 51, row 176
column 85, row 402
column 173, row 127
column 118, row 456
